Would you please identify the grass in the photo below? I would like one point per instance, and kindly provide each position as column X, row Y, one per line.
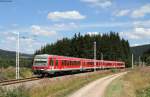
column 115, row 89
column 58, row 87
column 18, row 92
column 134, row 84
column 63, row 87
column 143, row 93
column 10, row 73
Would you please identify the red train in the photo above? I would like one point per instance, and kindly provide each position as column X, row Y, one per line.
column 50, row 64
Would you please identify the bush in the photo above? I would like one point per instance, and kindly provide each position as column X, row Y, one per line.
column 10, row 73
column 143, row 93
column 26, row 72
column 114, row 70
column 18, row 92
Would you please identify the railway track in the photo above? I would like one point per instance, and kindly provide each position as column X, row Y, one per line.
column 14, row 81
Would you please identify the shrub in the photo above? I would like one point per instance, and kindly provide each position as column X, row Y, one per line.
column 17, row 92
column 143, row 92
column 114, row 70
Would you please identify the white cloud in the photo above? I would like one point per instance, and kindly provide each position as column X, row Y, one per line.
column 106, row 24
column 11, row 38
column 122, row 12
column 63, row 26
column 37, row 30
column 98, row 3
column 144, row 23
column 137, row 33
column 136, row 44
column 92, row 33
column 75, row 15
column 141, row 12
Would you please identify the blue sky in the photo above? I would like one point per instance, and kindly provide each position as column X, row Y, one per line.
column 45, row 21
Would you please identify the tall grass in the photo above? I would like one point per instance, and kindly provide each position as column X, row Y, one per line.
column 17, row 92
column 10, row 73
column 134, row 84
column 115, row 89
column 56, row 87
column 62, row 87
column 143, row 93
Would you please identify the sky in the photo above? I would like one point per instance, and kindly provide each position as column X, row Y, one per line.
column 41, row 22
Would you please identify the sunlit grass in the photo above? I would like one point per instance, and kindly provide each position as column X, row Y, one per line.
column 134, row 84
column 115, row 89
column 58, row 87
column 17, row 92
column 10, row 73
column 61, row 88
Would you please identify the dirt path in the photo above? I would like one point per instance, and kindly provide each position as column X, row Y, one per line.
column 96, row 88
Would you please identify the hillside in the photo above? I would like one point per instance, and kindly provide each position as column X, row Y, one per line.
column 139, row 50
column 12, row 54
column 8, row 58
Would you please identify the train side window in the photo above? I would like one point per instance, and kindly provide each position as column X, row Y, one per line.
column 67, row 63
column 71, row 63
column 51, row 62
column 78, row 62
column 56, row 62
column 63, row 62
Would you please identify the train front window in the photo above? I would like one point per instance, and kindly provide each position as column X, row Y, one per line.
column 40, row 63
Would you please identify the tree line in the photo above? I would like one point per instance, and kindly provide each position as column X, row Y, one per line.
column 6, row 62
column 110, row 45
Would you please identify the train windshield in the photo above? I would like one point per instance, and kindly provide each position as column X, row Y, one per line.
column 40, row 62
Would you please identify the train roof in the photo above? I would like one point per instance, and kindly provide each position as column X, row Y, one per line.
column 66, row 58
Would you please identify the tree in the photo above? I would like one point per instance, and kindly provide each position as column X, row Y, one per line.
column 110, row 44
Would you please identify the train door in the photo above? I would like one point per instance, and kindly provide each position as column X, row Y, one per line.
column 57, row 63
column 54, row 60
column 52, row 63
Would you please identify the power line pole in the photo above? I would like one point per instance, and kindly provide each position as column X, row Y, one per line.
column 17, row 57
column 132, row 61
column 94, row 55
column 139, row 61
column 101, row 56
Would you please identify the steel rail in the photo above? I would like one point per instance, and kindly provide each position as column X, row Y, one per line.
column 14, row 81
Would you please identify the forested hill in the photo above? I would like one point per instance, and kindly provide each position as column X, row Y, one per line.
column 12, row 54
column 111, row 45
column 139, row 50
column 8, row 58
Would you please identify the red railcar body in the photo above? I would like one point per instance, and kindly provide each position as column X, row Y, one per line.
column 53, row 63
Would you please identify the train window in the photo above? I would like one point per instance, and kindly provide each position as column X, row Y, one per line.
column 78, row 62
column 56, row 62
column 51, row 62
column 67, row 63
column 62, row 62
column 71, row 63
column 38, row 63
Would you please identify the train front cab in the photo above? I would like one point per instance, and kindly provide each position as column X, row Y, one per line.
column 44, row 64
